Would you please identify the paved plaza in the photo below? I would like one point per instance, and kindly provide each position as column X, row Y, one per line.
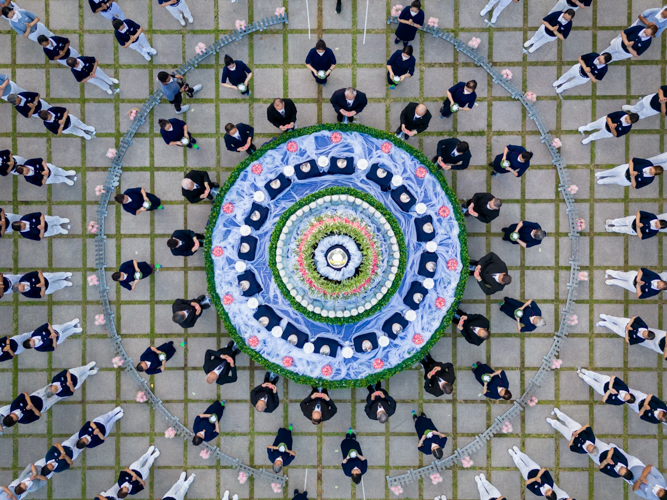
column 276, row 58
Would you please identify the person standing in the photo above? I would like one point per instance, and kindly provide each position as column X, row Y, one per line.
column 415, row 118
column 131, row 272
column 348, row 103
column 527, row 314
column 238, row 74
column 650, row 484
column 86, row 69
column 154, row 359
column 132, row 480
column 178, row 9
column 525, row 233
column 615, row 124
column 494, row 382
column 563, row 5
column 439, row 377
column 281, row 113
column 25, row 23
column 64, row 383
column 645, row 283
column 239, row 138
column 7, row 86
column 60, row 457
column 409, row 21
column 6, row 221
column 321, row 61
column 36, row 284
column 657, row 16
column 431, row 442
column 514, row 160
column 197, row 185
column 10, row 347
column 591, row 67
column 137, row 200
column 38, row 172
column 175, row 132
column 318, row 407
column 58, row 120
column 501, row 4
column 461, row 96
column 220, row 365
column 580, row 437
column 634, row 330
column 173, row 87
column 28, row 408
column 538, row 480
column 473, row 327
column 400, row 65
column 47, row 338
column 379, row 404
column 452, row 154
column 265, row 397
column 93, row 434
column 187, row 312
column 179, row 490
column 27, row 104
column 649, row 408
column 108, row 9
column 29, row 481
column 650, row 105
column 637, row 173
column 57, row 48
column 612, row 389
column 487, row 491
column 37, row 226
column 491, row 273
column 617, row 463
column 482, row 206
column 207, row 424
column 130, row 35
column 632, row 42
column 354, row 464
column 554, row 25
column 280, row 453
column 645, row 225
column 185, row 243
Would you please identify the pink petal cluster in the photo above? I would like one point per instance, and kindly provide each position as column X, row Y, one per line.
column 292, row 147
column 572, row 320
column 421, row 172
column 228, row 208
column 555, row 364
column 227, row 299
column 257, row 169
column 288, row 361
column 200, row 48
column 327, row 370
column 580, row 224
column 93, row 280
column 111, row 153
column 240, row 25
column 280, row 11
column 532, row 401
column 170, row 433
column 378, row 364
column 507, row 427
column 93, row 226
column 99, row 319
column 132, row 114
column 217, row 251
column 386, row 147
column 397, row 490
column 99, row 189
column 205, row 454
column 117, row 362
column 396, row 10
column 243, row 477
column 418, row 339
column 443, row 211
column 253, row 341
column 466, row 462
column 474, row 42
column 432, row 21
column 141, row 397
column 436, row 478
column 440, row 302
column 276, row 487
column 336, row 137
column 507, row 74
column 572, row 188
column 583, row 276
column 556, row 142
column 530, row 96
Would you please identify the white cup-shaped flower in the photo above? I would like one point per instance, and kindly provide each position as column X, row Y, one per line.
column 431, row 246
column 362, row 164
column 420, row 208
column 322, row 161
column 429, row 283
column 288, row 171
column 245, row 230
column 397, row 180
column 383, row 340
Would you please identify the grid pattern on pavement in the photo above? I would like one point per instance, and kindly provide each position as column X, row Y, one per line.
column 276, row 58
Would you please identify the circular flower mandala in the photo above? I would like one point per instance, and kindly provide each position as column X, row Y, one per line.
column 378, row 364
column 253, row 341
column 292, row 147
column 440, row 302
column 228, row 208
column 386, row 147
column 336, row 137
column 257, row 169
column 443, row 212
column 327, row 370
column 288, row 361
column 227, row 299
column 217, row 251
column 421, row 172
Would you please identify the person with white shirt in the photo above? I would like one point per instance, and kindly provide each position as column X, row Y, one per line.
column 415, row 119
column 25, row 23
column 265, row 397
column 28, row 104
column 348, row 103
column 615, row 124
column 637, row 173
column 58, row 121
column 178, row 9
column 29, row 481
column 657, row 16
column 37, row 226
column 85, row 69
column 642, row 224
column 581, row 438
column 239, row 138
column 57, row 48
column 220, row 365
column 650, row 105
column 8, row 87
column 500, row 6
column 645, row 283
column 281, row 113
column 47, row 338
column 632, row 42
column 93, row 434
column 379, row 404
column 108, row 9
column 556, row 25
column 615, row 462
column 612, row 389
column 28, row 408
column 66, row 382
column 592, row 67
column 38, row 172
column 131, row 35
column 60, row 457
column 634, row 330
column 132, row 480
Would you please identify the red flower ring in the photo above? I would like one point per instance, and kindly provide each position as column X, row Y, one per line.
column 440, row 302
column 257, row 169
column 336, row 137
column 217, row 252
column 452, row 264
column 327, row 370
column 443, row 212
column 292, row 146
column 227, row 299
column 421, row 172
column 386, row 147
column 418, row 339
column 228, row 208
column 253, row 341
column 288, row 361
column 378, row 364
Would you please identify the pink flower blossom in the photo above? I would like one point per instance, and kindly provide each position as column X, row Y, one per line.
column 474, row 42
column 240, row 25
column 276, row 487
column 92, row 280
column 117, row 362
column 583, row 276
column 532, row 401
column 466, row 462
column 99, row 189
column 396, row 10
column 555, row 365
column 132, row 114
column 99, row 319
column 507, row 428
column 432, row 21
column 507, row 74
column 205, row 454
column 170, row 433
column 93, row 226
column 556, row 142
column 243, row 477
column 397, row 490
column 572, row 320
column 580, row 224
column 436, row 478
column 200, row 48
column 141, row 397
column 280, row 11
column 572, row 188
column 530, row 96
column 111, row 153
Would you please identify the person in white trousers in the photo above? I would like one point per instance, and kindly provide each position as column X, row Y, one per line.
column 563, row 5
column 86, row 69
column 572, row 431
column 487, row 491
column 56, row 281
column 590, row 68
column 646, row 171
column 58, row 121
column 25, row 23
column 65, row 383
column 623, row 326
column 619, row 122
column 500, row 5
column 649, row 105
column 10, row 347
column 23, row 414
column 8, row 87
column 108, row 9
column 538, row 480
column 29, row 226
column 7, row 281
column 178, row 490
column 612, row 389
column 549, row 32
column 51, row 466
column 635, row 40
column 93, row 434
column 52, row 336
column 133, row 479
column 176, row 8
column 648, row 284
column 130, row 34
column 29, row 481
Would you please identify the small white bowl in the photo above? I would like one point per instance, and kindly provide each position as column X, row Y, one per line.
column 258, row 196
column 411, row 315
column 308, row 347
column 245, row 230
column 428, row 283
column 240, row 266
column 253, row 303
column 362, row 164
column 397, row 180
column 276, row 331
column 288, row 171
column 431, row 246
column 323, row 161
column 420, row 208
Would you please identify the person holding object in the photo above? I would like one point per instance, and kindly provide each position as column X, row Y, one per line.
column 473, row 327
column 25, row 23
column 57, row 48
column 154, row 359
column 514, row 160
column 318, row 407
column 178, row 9
column 321, row 61
column 401, row 65
column 239, row 138
column 131, row 272
column 491, row 273
column 650, row 105
column 185, row 243
column 207, row 424
column 187, row 312
column 431, row 442
column 409, row 21
column 281, row 113
column 137, row 200
column 527, row 314
column 494, row 383
column 280, row 453
column 637, row 173
column 238, row 74
column 173, row 87
column 452, row 154
column 460, row 97
column 220, row 365
column 525, row 233
column 644, row 225
column 554, row 25
column 197, row 185
column 482, row 206
column 439, row 377
column 415, row 118
column 58, row 121
column 175, row 133
column 130, row 34
column 354, row 464
column 348, row 103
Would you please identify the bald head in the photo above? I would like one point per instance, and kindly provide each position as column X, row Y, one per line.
column 421, row 109
column 187, row 184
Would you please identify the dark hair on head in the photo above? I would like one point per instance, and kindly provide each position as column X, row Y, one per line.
column 172, row 242
column 416, row 3
column 163, row 123
column 117, row 24
column 163, row 76
column 41, row 39
column 628, row 475
column 551, row 496
column 631, row 400
column 497, row 202
column 20, row 489
column 16, row 225
column 663, row 494
column 316, row 421
column 505, row 279
column 43, row 114
column 46, row 470
column 658, row 169
column 447, row 388
column 80, row 444
column 662, row 223
column 570, row 12
column 120, row 198
column 140, row 367
column 408, row 50
column 472, row 84
column 356, row 477
column 20, row 169
column 483, row 333
column 653, row 28
column 228, row 60
column 26, row 344
column 507, row 395
column 71, row 62
column 650, row 335
column 116, row 276
column 122, row 493
column 634, row 117
column 462, row 147
column 178, row 317
column 526, row 155
column 320, row 45
column 6, row 10
column 606, row 56
column 229, row 127
column 197, row 440
column 437, row 453
column 8, row 421
column 278, row 99
column 540, row 234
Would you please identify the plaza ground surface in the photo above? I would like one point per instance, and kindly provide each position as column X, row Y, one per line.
column 276, row 57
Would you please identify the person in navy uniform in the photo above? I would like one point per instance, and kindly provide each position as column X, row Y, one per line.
column 220, row 365
column 10, row 347
column 554, row 25
column 634, row 330
column 8, row 161
column 615, row 124
column 525, row 233
column 482, row 206
column 265, row 397
column 280, row 453
column 650, row 105
column 538, row 480
column 348, row 103
column 92, row 434
column 501, row 4
column 207, row 424
column 109, row 9
column 517, row 157
column 28, row 408
column 178, row 9
column 6, row 221
column 452, row 154
column 154, row 359
column 60, row 457
column 645, row 225
column 401, row 64
column 581, row 438
column 637, row 173
column 304, row 494
column 473, row 327
column 27, row 104
column 36, row 284
column 354, row 464
column 614, row 463
column 462, row 95
column 58, row 120
column 652, row 410
column 415, row 118
column 197, row 185
column 187, row 312
column 184, row 242
column 38, row 172
column 318, row 407
column 37, row 226
column 239, row 138
column 431, row 442
column 173, row 87
column 491, row 273
column 645, row 283
column 133, row 479
column 57, row 48
column 563, row 5
column 85, row 69
column 439, row 377
column 321, row 58
column 281, row 113
column 409, row 21
column 237, row 73
column 379, row 404
column 632, row 42
column 612, row 389
column 528, row 319
column 64, row 383
column 175, row 133
column 47, row 338
column 137, row 200
column 494, row 382
column 591, row 67
column 131, row 272
column 130, row 34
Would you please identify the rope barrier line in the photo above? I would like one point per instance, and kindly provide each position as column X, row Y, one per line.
column 563, row 329
column 111, row 182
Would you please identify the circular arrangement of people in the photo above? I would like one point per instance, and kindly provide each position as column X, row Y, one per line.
column 332, row 249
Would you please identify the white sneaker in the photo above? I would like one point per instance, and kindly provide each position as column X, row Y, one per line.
column 527, row 44
column 226, row 495
column 150, row 450
column 181, row 20
column 182, row 476
column 235, row 497
column 156, row 453
column 582, row 129
column 113, row 80
column 626, row 107
column 147, row 57
column 609, row 229
column 68, row 275
column 191, row 20
column 609, row 282
column 86, row 137
column 484, row 12
column 183, row 109
column 69, row 283
column 153, row 51
column 109, row 91
column 65, row 221
column 74, row 178
column 196, row 88
column 599, row 323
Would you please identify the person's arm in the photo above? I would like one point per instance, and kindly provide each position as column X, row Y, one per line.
column 642, row 19
column 612, row 127
column 64, row 51
column 31, row 406
column 642, row 478
column 70, row 384
column 553, row 29
column 248, row 78
column 4, row 85
column 449, row 96
column 41, row 227
column 663, row 101
column 629, row 45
